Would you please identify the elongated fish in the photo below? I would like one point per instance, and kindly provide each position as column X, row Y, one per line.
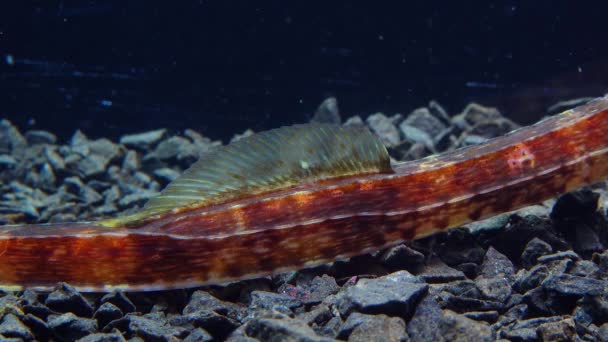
column 300, row 196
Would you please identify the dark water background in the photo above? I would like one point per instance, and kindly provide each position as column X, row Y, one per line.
column 109, row 67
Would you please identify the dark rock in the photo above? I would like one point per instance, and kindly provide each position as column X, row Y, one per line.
column 424, row 120
column 53, row 158
column 360, row 327
column 11, row 326
column 438, row 272
column 7, row 161
column 131, row 162
column 527, row 280
column 584, row 268
column 178, row 148
column 36, row 137
column 496, row 264
column 317, row 316
column 354, row 121
column 487, row 316
column 455, row 327
column 402, row 256
column 46, row 178
column 65, row 298
column 201, row 300
column 576, row 204
column 148, row 329
column 69, row 327
column 270, row 300
column 526, row 330
column 11, row 140
column 558, row 256
column 512, row 239
column 474, row 114
column 424, row 325
column 331, row 328
column 272, row 329
column 460, row 247
column 103, row 337
column 216, row 324
column 570, row 285
column 119, row 299
column 138, row 198
column 166, row 174
column 495, row 276
column 534, row 249
column 394, row 294
column 106, row 313
column 39, row 327
column 92, row 165
column 144, row 140
column 199, row 335
column 463, row 304
column 327, row 112
column 311, row 291
column 385, row 129
column 495, row 289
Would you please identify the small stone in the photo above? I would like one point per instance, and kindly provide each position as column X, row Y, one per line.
column 46, row 177
column 92, row 165
column 436, row 271
column 79, row 144
column 174, row 147
column 584, row 268
column 66, row 299
column 37, row 137
column 146, row 328
column 384, row 128
column 559, row 256
column 361, row 327
column 144, row 140
column 103, row 337
column 201, row 300
column 138, row 198
column 199, row 335
column 416, row 135
column 54, row 158
column 354, row 121
column 496, row 264
column 316, row 290
column 424, row 325
column 166, row 174
column 566, row 284
column 474, row 114
column 7, row 161
column 11, row 326
column 496, row 289
column 218, row 325
column 119, row 299
column 455, row 327
column 70, row 327
column 423, row 120
column 106, row 313
column 272, row 329
column 402, row 256
column 563, row 330
column 131, row 161
column 327, row 112
column 395, row 293
column 534, row 249
column 270, row 300
column 486, row 316
column 37, row 325
column 529, row 279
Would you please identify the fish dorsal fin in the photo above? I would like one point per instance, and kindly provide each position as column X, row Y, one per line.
column 269, row 161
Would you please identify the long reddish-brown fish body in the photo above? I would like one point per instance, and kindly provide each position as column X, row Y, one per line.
column 314, row 223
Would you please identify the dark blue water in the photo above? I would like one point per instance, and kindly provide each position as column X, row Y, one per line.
column 110, row 67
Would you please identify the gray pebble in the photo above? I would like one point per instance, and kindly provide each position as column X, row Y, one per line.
column 455, row 327
column 11, row 326
column 271, row 300
column 37, row 137
column 566, row 284
column 199, row 335
column 362, row 327
column 534, row 249
column 103, row 337
column 385, row 129
column 272, row 329
column 106, row 313
column 396, row 293
column 327, row 112
column 69, row 327
column 436, row 271
column 65, row 298
column 144, row 140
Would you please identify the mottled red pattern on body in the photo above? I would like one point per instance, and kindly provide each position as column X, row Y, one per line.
column 315, row 223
